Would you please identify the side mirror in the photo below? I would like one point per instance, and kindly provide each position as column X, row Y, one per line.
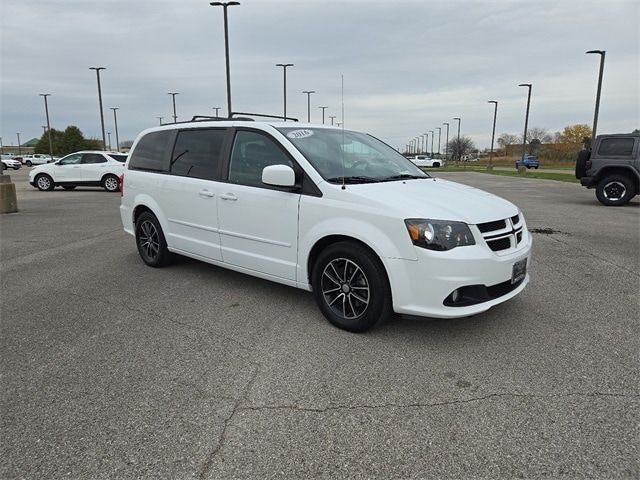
column 279, row 176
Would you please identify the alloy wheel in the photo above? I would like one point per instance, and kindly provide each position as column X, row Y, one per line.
column 345, row 288
column 149, row 239
column 614, row 190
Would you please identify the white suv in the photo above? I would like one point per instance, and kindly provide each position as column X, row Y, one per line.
column 35, row 159
column 87, row 168
column 335, row 212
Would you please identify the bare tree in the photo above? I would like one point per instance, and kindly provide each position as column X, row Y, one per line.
column 458, row 149
column 540, row 134
column 508, row 139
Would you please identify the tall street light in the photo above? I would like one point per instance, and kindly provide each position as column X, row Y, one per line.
column 19, row 147
column 446, row 145
column 332, row 117
column 425, row 136
column 1, row 146
column 284, row 72
column 323, row 109
column 309, row 92
column 224, row 6
column 44, row 129
column 160, row 119
column 432, row 137
column 458, row 141
column 439, row 135
column 46, row 111
column 493, row 132
column 109, row 136
column 216, row 109
column 115, row 121
column 595, row 115
column 526, row 119
column 173, row 97
column 97, row 69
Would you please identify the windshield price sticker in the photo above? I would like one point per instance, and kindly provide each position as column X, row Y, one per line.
column 296, row 134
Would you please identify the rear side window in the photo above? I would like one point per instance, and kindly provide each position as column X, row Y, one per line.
column 93, row 158
column 197, row 153
column 150, row 152
column 119, row 158
column 616, row 147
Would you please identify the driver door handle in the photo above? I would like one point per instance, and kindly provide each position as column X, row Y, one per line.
column 206, row 193
column 229, row 196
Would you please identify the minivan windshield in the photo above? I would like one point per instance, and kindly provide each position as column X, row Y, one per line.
column 349, row 156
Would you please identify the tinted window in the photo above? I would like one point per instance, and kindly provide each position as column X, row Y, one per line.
column 197, row 153
column 616, row 146
column 251, row 153
column 71, row 159
column 93, row 158
column 150, row 151
column 119, row 158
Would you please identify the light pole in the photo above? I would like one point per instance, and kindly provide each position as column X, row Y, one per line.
column 432, row 138
column 1, row 146
column 493, row 132
column 115, row 121
column 160, row 119
column 97, row 69
column 44, row 129
column 46, row 111
column 595, row 115
column 224, row 6
column 458, row 141
column 332, row 117
column 323, row 109
column 446, row 145
column 309, row 92
column 439, row 135
column 425, row 137
column 284, row 73
column 109, row 136
column 19, row 147
column 526, row 119
column 216, row 109
column 173, row 97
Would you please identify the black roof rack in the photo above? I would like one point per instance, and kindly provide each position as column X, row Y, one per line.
column 235, row 116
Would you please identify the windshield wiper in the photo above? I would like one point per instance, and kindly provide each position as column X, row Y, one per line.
column 403, row 176
column 353, row 179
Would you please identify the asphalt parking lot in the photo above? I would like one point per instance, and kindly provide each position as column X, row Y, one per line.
column 113, row 369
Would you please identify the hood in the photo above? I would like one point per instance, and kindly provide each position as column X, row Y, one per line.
column 435, row 199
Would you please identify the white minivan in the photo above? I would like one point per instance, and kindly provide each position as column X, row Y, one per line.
column 336, row 212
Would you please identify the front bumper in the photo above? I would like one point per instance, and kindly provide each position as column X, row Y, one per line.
column 421, row 287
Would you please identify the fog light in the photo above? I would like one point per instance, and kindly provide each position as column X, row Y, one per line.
column 455, row 296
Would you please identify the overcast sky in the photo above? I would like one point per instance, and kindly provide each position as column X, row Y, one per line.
column 408, row 66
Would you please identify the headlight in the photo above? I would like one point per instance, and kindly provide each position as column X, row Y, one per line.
column 438, row 234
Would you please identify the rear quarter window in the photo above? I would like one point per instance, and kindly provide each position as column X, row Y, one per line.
column 151, row 152
column 616, row 147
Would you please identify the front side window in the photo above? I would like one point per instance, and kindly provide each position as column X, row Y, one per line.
column 354, row 156
column 197, row 153
column 93, row 158
column 616, row 147
column 71, row 159
column 150, row 151
column 252, row 152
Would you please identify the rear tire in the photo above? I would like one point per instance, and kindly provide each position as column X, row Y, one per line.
column 111, row 183
column 436, row 164
column 150, row 241
column 615, row 190
column 44, row 183
column 351, row 287
column 28, row 163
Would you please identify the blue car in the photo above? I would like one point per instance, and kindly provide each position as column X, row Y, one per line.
column 529, row 161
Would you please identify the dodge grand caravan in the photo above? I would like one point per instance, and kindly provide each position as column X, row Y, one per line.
column 335, row 212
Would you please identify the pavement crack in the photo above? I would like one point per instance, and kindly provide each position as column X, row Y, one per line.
column 432, row 404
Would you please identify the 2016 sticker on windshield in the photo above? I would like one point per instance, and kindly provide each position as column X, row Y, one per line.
column 303, row 133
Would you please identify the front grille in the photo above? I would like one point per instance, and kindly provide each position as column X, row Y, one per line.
column 500, row 244
column 502, row 235
column 492, row 226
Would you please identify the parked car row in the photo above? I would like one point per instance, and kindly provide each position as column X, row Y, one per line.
column 92, row 168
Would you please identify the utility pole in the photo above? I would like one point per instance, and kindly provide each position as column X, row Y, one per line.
column 46, row 111
column 97, row 69
column 595, row 115
column 173, row 96
column 332, row 117
column 439, row 135
column 446, row 145
column 458, row 149
column 224, row 6
column 323, row 109
column 526, row 120
column 115, row 120
column 284, row 72
column 493, row 132
column 309, row 92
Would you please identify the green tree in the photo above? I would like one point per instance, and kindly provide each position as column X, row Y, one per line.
column 73, row 140
column 57, row 138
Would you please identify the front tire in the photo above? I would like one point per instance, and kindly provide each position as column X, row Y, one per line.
column 111, row 183
column 150, row 241
column 615, row 190
column 351, row 288
column 44, row 183
column 29, row 163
